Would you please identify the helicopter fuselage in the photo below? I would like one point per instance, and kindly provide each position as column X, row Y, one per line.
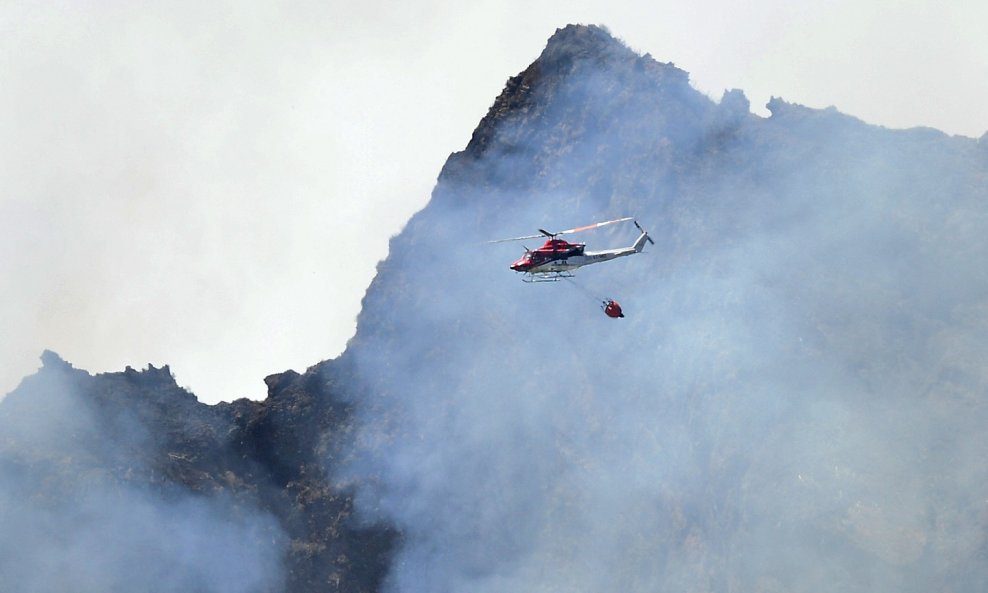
column 558, row 256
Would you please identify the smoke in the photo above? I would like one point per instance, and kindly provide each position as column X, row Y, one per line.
column 80, row 509
column 795, row 401
column 128, row 539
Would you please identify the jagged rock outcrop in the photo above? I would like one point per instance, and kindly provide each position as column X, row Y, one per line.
column 66, row 432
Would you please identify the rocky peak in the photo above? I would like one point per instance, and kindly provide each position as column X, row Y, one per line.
column 51, row 360
column 574, row 43
column 821, row 290
column 574, row 55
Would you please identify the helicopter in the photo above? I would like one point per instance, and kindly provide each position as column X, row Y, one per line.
column 557, row 258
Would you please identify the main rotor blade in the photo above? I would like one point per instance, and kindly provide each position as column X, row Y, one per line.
column 515, row 239
column 596, row 225
column 566, row 232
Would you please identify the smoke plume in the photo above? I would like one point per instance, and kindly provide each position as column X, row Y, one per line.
column 81, row 509
column 795, row 401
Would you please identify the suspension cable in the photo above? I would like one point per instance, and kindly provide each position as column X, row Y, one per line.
column 583, row 290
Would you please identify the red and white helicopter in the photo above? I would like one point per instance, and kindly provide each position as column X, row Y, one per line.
column 557, row 258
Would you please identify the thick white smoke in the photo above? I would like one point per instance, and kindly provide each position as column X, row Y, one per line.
column 792, row 404
column 80, row 510
column 129, row 539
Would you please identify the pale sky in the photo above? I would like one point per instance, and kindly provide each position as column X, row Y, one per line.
column 211, row 185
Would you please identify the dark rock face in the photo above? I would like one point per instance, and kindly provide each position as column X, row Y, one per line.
column 245, row 482
column 794, row 402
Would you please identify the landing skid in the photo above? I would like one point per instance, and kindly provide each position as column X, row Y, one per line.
column 546, row 277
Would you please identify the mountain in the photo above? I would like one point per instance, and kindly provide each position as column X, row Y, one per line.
column 794, row 401
column 125, row 482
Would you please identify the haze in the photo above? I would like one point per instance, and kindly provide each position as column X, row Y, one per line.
column 211, row 186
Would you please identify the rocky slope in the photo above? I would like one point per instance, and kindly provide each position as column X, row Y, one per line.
column 794, row 402
column 129, row 475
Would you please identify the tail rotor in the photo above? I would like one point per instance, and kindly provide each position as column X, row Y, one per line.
column 644, row 232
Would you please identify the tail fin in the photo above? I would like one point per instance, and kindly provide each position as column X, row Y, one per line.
column 640, row 243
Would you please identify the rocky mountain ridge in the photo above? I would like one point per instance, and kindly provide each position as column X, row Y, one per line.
column 792, row 404
column 68, row 432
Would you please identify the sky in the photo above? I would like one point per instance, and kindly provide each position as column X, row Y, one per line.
column 211, row 185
